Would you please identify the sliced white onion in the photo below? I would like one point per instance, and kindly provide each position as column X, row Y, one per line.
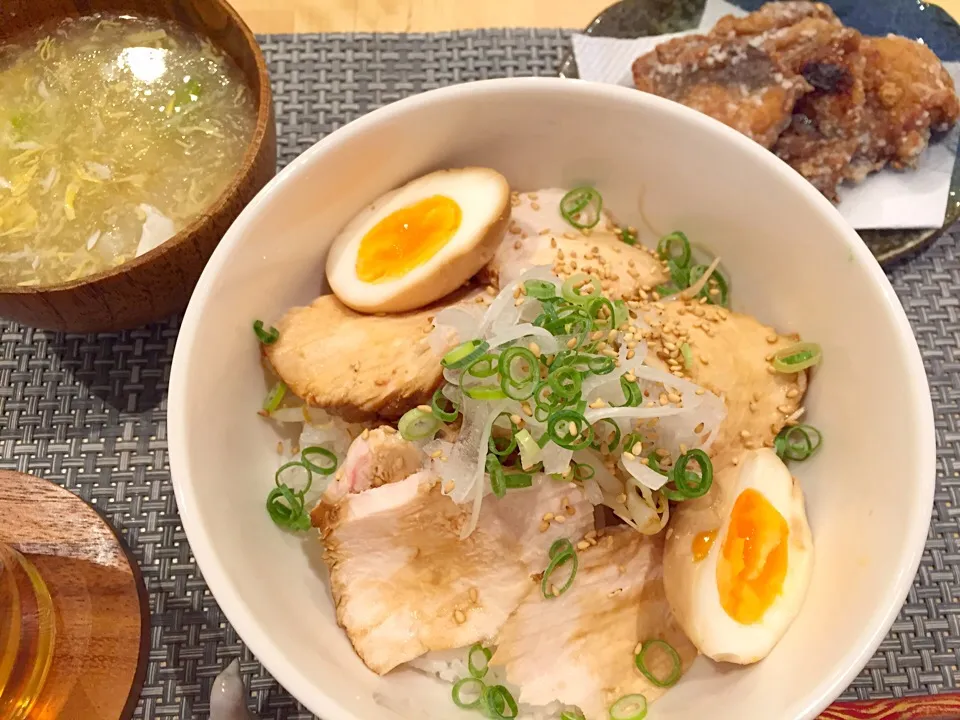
column 592, row 491
column 556, row 460
column 530, row 451
column 643, row 474
column 547, row 342
column 466, row 459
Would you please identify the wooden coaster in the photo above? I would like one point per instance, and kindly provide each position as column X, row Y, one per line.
column 103, row 615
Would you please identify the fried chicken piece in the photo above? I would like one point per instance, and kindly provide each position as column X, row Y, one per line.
column 731, row 80
column 773, row 16
column 807, row 39
column 908, row 94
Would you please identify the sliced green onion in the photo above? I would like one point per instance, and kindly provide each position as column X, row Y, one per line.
column 797, row 442
column 797, row 357
column 518, row 480
column 628, row 235
column 601, row 364
column 275, row 397
column 497, row 480
column 561, row 546
column 418, row 424
column 571, row 292
column 687, row 355
column 596, row 306
column 511, row 440
column 716, row 279
column 629, row 707
column 328, row 468
column 540, row 289
column 286, row 509
column 680, row 275
column 511, row 367
column 620, row 313
column 464, row 354
column 569, row 429
column 287, row 466
column 582, row 471
column 561, row 553
column 633, row 395
column 675, row 247
column 581, row 207
column 500, row 703
column 437, row 404
column 267, row 337
column 484, row 392
column 530, row 450
column 565, row 382
column 478, row 669
column 641, row 662
column 472, row 685
column 483, row 367
column 691, row 484
column 612, row 442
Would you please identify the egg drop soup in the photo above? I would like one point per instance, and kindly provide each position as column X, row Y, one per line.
column 115, row 133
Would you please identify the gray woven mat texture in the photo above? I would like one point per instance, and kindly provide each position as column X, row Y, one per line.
column 88, row 411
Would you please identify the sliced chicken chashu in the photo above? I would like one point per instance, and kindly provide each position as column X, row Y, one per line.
column 354, row 365
column 729, row 354
column 579, row 648
column 625, row 272
column 377, row 457
column 404, row 582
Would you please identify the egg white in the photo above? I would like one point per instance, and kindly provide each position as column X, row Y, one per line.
column 484, row 199
column 692, row 585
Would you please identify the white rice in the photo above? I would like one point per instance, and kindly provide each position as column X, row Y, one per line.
column 450, row 665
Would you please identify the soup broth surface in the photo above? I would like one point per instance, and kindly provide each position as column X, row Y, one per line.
column 115, row 133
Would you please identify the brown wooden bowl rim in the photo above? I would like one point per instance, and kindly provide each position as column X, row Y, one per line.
column 254, row 146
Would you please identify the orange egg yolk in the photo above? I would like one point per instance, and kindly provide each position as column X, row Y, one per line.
column 702, row 542
column 407, row 238
column 753, row 560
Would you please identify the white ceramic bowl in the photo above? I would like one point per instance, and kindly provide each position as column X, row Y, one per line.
column 793, row 262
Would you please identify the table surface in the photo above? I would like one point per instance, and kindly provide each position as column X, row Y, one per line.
column 302, row 16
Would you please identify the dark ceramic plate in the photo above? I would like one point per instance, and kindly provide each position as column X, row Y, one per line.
column 911, row 18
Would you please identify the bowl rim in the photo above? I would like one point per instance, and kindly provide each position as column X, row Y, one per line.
column 261, row 129
column 295, row 679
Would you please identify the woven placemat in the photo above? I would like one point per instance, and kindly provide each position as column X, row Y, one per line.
column 88, row 411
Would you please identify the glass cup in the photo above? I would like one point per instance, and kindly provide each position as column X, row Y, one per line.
column 27, row 634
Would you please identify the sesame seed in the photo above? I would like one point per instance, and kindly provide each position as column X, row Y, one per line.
column 698, row 429
column 516, row 419
column 425, row 408
column 700, row 391
column 637, row 448
column 629, row 455
column 622, row 498
column 526, row 409
column 547, row 516
column 704, row 360
column 572, row 427
column 534, row 206
column 436, row 453
column 630, row 354
column 663, row 452
column 389, row 430
column 560, row 519
column 772, row 338
column 771, row 370
column 544, row 526
column 785, row 409
column 572, row 343
column 674, row 398
column 583, row 545
column 459, row 617
column 793, row 393
column 473, row 595
column 515, row 230
column 745, row 434
column 534, row 348
column 365, row 434
column 664, row 400
column 449, row 486
column 517, row 245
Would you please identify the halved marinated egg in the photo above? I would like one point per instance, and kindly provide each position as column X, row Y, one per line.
column 738, row 561
column 420, row 242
